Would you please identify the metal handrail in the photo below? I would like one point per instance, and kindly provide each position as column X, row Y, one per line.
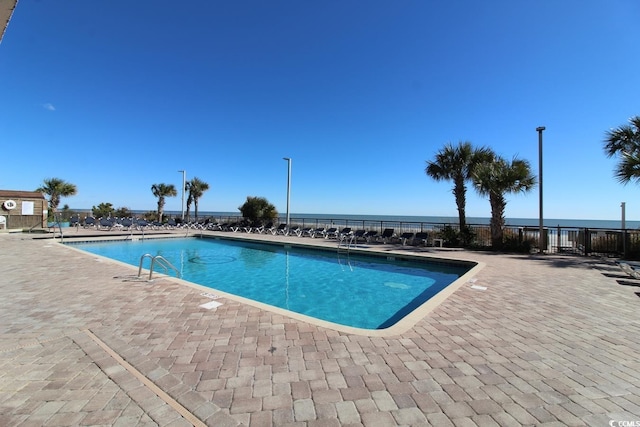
column 56, row 221
column 162, row 261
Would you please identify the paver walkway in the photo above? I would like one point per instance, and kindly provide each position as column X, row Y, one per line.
column 551, row 341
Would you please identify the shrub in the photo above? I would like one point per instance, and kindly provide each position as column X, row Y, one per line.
column 258, row 210
column 103, row 210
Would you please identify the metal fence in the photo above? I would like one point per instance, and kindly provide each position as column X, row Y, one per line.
column 555, row 240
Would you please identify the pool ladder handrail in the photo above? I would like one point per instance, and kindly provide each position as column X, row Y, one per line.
column 162, row 261
column 345, row 241
column 344, row 247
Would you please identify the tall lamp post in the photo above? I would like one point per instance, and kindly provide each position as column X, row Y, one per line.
column 184, row 184
column 288, row 188
column 539, row 129
column 623, row 206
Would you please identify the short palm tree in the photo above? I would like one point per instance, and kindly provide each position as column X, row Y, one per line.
column 56, row 188
column 195, row 188
column 497, row 178
column 456, row 163
column 258, row 210
column 624, row 142
column 161, row 191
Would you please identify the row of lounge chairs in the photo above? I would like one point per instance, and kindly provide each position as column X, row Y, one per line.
column 388, row 235
column 124, row 224
column 346, row 233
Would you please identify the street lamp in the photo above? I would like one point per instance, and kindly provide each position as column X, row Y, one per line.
column 539, row 129
column 288, row 188
column 184, row 184
column 623, row 206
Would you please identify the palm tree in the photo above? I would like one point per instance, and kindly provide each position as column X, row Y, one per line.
column 56, row 188
column 456, row 163
column 161, row 191
column 258, row 210
column 497, row 178
column 195, row 189
column 624, row 141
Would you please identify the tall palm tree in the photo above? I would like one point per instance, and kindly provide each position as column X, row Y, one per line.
column 456, row 163
column 195, row 189
column 624, row 141
column 497, row 178
column 161, row 191
column 56, row 188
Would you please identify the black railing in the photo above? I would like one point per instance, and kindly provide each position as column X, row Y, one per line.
column 557, row 240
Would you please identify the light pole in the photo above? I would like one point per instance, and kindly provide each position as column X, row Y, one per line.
column 623, row 206
column 184, row 184
column 288, row 188
column 539, row 129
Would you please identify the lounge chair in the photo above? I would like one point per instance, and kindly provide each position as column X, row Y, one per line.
column 346, row 235
column 406, row 236
column 319, row 232
column 89, row 222
column 282, row 228
column 387, row 235
column 74, row 221
column 630, row 270
column 214, row 226
column 265, row 228
column 256, row 229
column 332, row 233
column 142, row 224
column 360, row 235
column 295, row 230
column 307, row 231
column 371, row 235
column 346, row 232
column 105, row 224
column 421, row 237
column 126, row 223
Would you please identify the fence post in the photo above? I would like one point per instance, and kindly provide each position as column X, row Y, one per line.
column 587, row 241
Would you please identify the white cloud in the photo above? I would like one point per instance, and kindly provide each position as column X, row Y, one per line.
column 49, row 106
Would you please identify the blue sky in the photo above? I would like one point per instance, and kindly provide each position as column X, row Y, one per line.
column 117, row 96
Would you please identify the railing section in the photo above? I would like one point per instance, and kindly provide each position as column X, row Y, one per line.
column 560, row 240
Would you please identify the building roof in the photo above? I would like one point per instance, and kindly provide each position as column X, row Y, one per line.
column 17, row 194
column 6, row 10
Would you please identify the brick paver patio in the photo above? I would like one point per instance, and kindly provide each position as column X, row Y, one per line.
column 552, row 341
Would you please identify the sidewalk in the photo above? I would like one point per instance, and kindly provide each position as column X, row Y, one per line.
column 552, row 340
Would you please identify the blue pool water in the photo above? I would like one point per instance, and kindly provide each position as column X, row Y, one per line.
column 359, row 291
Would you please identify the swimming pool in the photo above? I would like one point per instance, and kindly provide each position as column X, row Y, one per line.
column 369, row 292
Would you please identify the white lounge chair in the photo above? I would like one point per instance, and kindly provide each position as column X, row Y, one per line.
column 630, row 270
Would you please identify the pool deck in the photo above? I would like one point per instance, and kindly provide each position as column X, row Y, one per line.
column 529, row 340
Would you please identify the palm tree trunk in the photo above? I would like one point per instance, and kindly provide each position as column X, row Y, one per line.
column 498, row 205
column 160, row 208
column 460, row 193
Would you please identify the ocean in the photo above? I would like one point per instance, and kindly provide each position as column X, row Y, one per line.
column 523, row 222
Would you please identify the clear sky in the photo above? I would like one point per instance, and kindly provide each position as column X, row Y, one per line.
column 115, row 96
